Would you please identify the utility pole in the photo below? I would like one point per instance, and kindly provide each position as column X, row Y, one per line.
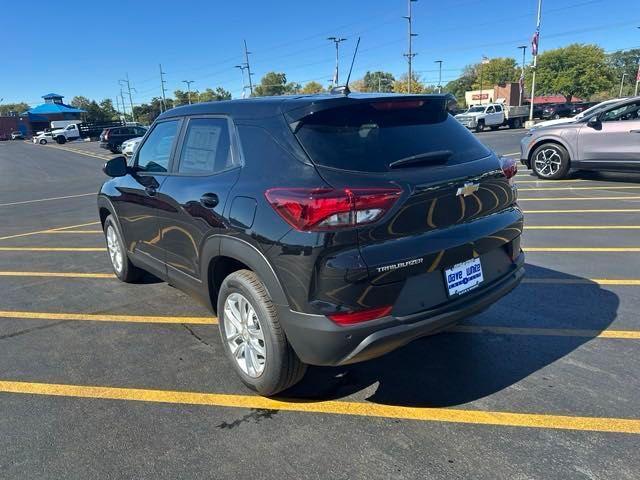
column 439, row 62
column 188, row 82
column 337, row 41
column 246, row 63
column 622, row 83
column 244, row 86
column 124, row 109
column 133, row 118
column 162, row 84
column 410, row 36
column 535, row 46
column 524, row 53
column 484, row 61
column 118, row 107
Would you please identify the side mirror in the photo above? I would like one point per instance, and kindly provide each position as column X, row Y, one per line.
column 594, row 122
column 116, row 167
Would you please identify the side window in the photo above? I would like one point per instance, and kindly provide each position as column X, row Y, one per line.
column 491, row 110
column 155, row 153
column 206, row 148
column 498, row 108
column 140, row 131
column 630, row 111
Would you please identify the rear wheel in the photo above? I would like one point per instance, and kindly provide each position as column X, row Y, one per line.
column 480, row 126
column 516, row 123
column 550, row 161
column 252, row 336
column 494, row 127
column 60, row 140
column 122, row 266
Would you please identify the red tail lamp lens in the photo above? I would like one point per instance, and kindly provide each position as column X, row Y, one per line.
column 360, row 316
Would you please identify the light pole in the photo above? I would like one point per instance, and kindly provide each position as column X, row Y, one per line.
column 410, row 36
column 524, row 53
column 624, row 74
column 484, row 61
column 439, row 62
column 336, row 41
column 188, row 82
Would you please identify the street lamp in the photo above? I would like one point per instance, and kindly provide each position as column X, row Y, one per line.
column 624, row 74
column 484, row 61
column 524, row 53
column 188, row 82
column 336, row 41
column 439, row 62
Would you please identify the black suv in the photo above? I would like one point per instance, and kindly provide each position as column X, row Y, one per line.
column 111, row 138
column 557, row 110
column 322, row 229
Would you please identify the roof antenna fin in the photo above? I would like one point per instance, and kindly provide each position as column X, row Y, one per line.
column 345, row 88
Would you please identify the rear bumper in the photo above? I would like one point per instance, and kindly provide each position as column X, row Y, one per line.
column 319, row 341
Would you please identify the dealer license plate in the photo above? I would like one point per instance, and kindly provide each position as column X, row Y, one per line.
column 463, row 277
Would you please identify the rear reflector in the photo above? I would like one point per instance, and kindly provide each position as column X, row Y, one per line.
column 352, row 318
column 509, row 167
column 317, row 209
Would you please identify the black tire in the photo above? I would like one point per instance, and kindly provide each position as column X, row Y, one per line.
column 480, row 126
column 282, row 367
column 128, row 272
column 61, row 140
column 556, row 116
column 551, row 149
column 42, row 142
column 515, row 123
column 494, row 127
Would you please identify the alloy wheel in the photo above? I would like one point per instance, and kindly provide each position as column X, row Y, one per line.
column 547, row 162
column 115, row 252
column 244, row 335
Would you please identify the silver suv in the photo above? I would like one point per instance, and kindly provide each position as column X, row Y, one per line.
column 606, row 140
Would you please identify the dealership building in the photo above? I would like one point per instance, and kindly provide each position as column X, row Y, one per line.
column 40, row 117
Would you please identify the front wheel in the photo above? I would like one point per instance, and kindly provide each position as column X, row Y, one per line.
column 253, row 338
column 43, row 142
column 480, row 126
column 61, row 140
column 550, row 161
column 122, row 266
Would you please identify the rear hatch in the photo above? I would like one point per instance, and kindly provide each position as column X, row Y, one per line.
column 455, row 202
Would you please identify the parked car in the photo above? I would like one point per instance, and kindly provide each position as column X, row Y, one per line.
column 593, row 109
column 494, row 116
column 556, row 110
column 608, row 139
column 112, row 138
column 67, row 133
column 129, row 146
column 322, row 229
column 17, row 136
column 4, row 137
column 580, row 107
column 43, row 138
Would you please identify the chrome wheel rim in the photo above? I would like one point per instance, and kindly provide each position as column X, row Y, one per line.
column 547, row 162
column 244, row 335
column 115, row 252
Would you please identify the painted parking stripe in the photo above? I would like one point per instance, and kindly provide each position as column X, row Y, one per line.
column 48, row 230
column 73, row 231
column 557, row 181
column 81, row 152
column 50, row 199
column 582, row 249
column 582, row 227
column 592, row 210
column 547, row 332
column 105, row 317
column 357, row 409
column 584, row 199
column 52, row 249
column 584, row 281
column 57, row 274
column 624, row 187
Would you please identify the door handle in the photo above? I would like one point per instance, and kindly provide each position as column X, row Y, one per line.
column 634, row 131
column 209, row 200
column 151, row 191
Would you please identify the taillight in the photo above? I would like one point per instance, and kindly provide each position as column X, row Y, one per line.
column 106, row 135
column 509, row 167
column 351, row 318
column 307, row 209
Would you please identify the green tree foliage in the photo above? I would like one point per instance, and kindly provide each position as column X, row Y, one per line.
column 312, row 87
column 401, row 85
column 95, row 112
column 147, row 112
column 273, row 83
column 109, row 112
column 13, row 108
column 495, row 72
column 378, row 81
column 182, row 97
column 216, row 95
column 577, row 70
column 463, row 84
column 625, row 61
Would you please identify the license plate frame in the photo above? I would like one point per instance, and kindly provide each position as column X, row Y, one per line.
column 463, row 277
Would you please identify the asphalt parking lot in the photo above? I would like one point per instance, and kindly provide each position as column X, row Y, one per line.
column 99, row 379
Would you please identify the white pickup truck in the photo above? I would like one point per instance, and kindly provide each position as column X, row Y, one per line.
column 70, row 132
column 494, row 116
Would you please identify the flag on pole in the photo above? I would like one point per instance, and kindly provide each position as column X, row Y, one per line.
column 638, row 76
column 521, row 81
column 534, row 43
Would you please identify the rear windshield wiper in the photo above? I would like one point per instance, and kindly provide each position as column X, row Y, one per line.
column 440, row 156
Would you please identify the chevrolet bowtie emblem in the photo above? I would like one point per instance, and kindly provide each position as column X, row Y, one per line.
column 468, row 189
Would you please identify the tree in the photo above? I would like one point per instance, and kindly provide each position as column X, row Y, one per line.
column 147, row 112
column 182, row 97
column 401, row 85
column 292, row 88
column 216, row 95
column 109, row 112
column 357, row 85
column 625, row 61
column 495, row 72
column 378, row 81
column 312, row 87
column 577, row 70
column 14, row 108
column 80, row 102
column 272, row 83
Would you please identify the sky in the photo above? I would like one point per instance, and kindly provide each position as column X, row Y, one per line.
column 85, row 48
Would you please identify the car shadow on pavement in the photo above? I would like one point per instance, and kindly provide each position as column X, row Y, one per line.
column 450, row 369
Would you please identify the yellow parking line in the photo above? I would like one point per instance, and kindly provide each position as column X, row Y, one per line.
column 73, row 231
column 547, row 199
column 358, row 409
column 582, row 249
column 52, row 249
column 80, row 152
column 624, row 187
column 48, row 230
column 57, row 274
column 540, row 181
column 547, row 332
column 46, row 199
column 582, row 227
column 596, row 210
column 584, row 281
column 104, row 317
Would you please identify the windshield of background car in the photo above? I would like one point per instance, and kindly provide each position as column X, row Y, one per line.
column 367, row 137
column 476, row 109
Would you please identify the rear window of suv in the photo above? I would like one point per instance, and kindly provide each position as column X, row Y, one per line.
column 368, row 137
